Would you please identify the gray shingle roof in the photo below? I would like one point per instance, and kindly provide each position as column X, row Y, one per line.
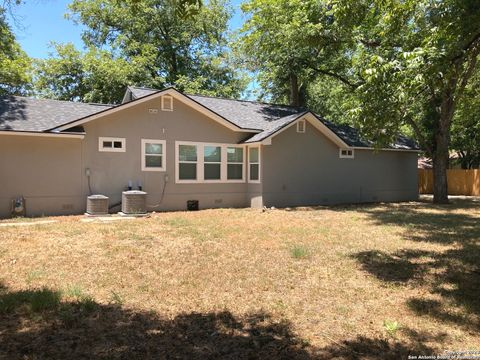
column 274, row 127
column 39, row 115
column 244, row 114
column 271, row 118
column 28, row 114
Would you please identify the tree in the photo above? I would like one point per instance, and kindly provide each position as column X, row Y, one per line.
column 171, row 42
column 406, row 62
column 91, row 76
column 15, row 65
column 466, row 126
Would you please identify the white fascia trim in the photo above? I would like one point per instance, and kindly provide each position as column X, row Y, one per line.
column 172, row 92
column 385, row 149
column 39, row 134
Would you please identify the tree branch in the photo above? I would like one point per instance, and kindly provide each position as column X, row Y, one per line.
column 338, row 77
column 467, row 47
column 467, row 74
column 416, row 128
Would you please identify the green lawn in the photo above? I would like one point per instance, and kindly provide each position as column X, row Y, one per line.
column 357, row 282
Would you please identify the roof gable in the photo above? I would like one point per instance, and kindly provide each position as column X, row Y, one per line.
column 151, row 95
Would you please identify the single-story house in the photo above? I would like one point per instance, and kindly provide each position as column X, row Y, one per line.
column 180, row 147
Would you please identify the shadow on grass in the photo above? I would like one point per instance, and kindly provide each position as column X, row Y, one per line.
column 452, row 273
column 73, row 330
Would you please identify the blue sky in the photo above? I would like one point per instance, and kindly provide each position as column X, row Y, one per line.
column 41, row 21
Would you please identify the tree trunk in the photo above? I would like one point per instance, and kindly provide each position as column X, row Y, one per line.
column 441, row 150
column 294, row 91
column 440, row 184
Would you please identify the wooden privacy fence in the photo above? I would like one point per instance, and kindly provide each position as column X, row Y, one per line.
column 460, row 182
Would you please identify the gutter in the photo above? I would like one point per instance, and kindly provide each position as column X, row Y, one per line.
column 43, row 134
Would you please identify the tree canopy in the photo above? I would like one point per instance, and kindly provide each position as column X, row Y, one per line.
column 15, row 65
column 405, row 62
column 149, row 43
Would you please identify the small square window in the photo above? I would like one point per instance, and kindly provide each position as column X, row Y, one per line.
column 108, row 144
column 347, row 153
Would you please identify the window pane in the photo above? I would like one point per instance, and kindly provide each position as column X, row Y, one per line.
column 153, row 148
column 117, row 144
column 234, row 171
column 234, row 154
column 212, row 154
column 212, row 171
column 187, row 152
column 254, row 155
column 107, row 144
column 153, row 161
column 187, row 171
column 254, row 172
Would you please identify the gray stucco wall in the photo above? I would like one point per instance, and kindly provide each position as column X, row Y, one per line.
column 296, row 169
column 110, row 172
column 45, row 170
column 305, row 169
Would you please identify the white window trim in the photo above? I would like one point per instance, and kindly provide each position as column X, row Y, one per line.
column 112, row 149
column 200, row 163
column 164, row 155
column 299, row 123
column 342, row 156
column 170, row 97
column 259, row 165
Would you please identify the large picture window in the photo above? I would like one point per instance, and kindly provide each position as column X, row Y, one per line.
column 207, row 162
column 153, row 155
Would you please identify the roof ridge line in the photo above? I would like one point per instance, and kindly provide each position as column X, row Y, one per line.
column 57, row 100
column 219, row 97
column 248, row 101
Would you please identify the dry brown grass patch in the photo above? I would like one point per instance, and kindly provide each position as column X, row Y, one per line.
column 302, row 283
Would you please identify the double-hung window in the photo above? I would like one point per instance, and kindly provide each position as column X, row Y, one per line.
column 235, row 163
column 187, row 162
column 212, row 162
column 153, row 155
column 254, row 164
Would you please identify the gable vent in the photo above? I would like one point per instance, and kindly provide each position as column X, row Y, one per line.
column 167, row 103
